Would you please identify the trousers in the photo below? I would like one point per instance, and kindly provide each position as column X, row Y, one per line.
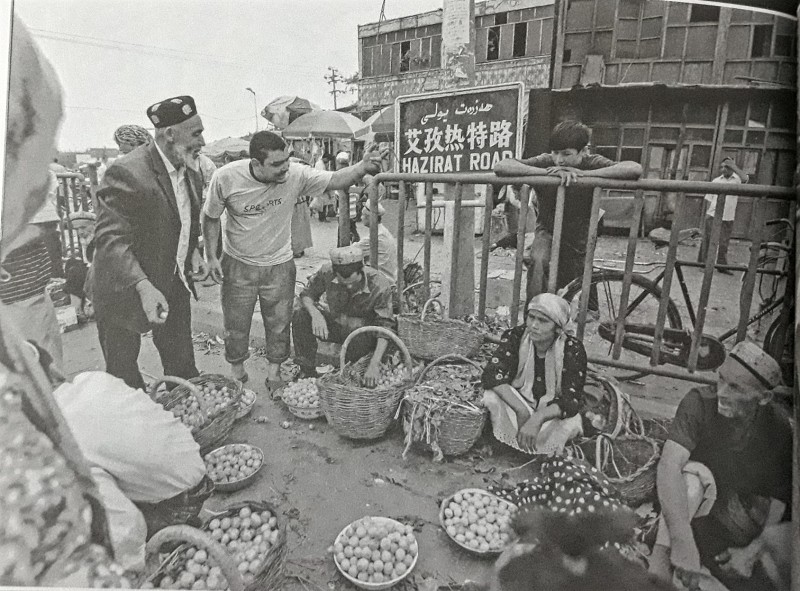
column 173, row 340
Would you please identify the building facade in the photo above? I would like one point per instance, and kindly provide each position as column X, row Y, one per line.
column 402, row 56
column 678, row 86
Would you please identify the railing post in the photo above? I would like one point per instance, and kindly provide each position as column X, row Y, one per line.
column 749, row 279
column 488, row 207
column 630, row 259
column 453, row 295
column 426, row 256
column 555, row 247
column 372, row 195
column 518, row 259
column 669, row 271
column 401, row 236
column 588, row 266
column 344, row 217
column 708, row 276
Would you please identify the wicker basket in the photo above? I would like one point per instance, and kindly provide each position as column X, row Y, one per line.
column 270, row 575
column 429, row 339
column 459, row 427
column 213, row 432
column 628, row 461
column 196, row 537
column 307, row 414
column 182, row 509
column 352, row 410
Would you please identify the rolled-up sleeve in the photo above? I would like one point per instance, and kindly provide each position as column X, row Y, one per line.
column 502, row 365
column 383, row 309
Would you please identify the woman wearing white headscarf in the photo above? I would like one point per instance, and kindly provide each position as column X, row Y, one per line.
column 534, row 382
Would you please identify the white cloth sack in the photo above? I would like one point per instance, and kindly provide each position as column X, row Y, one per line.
column 126, row 524
column 150, row 453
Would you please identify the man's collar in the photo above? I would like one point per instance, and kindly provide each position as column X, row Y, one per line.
column 364, row 287
column 167, row 164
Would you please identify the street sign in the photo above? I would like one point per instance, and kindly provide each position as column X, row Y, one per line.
column 464, row 130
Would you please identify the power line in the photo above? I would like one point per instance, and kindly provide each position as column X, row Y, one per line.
column 140, row 112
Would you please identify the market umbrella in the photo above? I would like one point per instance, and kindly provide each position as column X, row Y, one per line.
column 230, row 148
column 285, row 109
column 323, row 124
column 379, row 127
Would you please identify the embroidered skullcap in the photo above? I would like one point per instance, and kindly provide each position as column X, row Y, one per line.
column 171, row 111
column 345, row 255
column 758, row 363
column 132, row 134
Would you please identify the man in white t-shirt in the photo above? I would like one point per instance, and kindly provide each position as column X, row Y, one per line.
column 259, row 197
column 731, row 174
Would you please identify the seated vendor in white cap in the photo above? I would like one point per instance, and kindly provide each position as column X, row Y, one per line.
column 725, row 477
column 342, row 296
column 387, row 245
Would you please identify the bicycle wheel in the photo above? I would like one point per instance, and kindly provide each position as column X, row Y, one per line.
column 643, row 302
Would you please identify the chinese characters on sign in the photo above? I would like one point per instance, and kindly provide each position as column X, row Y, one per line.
column 463, row 131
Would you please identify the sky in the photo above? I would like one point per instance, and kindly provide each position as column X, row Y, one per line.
column 115, row 58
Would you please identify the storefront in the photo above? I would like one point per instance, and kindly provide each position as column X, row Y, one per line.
column 677, row 133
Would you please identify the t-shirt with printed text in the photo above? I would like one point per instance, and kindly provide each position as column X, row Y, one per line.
column 257, row 229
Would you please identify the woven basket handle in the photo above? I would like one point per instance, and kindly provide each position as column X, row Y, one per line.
column 444, row 358
column 382, row 332
column 185, row 533
column 180, row 382
column 428, row 303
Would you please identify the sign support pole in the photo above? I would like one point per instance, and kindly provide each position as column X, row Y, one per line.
column 458, row 71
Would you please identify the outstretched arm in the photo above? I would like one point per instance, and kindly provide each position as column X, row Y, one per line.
column 511, row 167
column 625, row 170
column 370, row 164
column 675, row 505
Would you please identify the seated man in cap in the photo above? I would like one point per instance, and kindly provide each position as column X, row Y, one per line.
column 724, row 477
column 387, row 245
column 148, row 224
column 339, row 298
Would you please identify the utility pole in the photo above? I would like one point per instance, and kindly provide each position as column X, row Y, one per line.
column 333, row 79
column 458, row 71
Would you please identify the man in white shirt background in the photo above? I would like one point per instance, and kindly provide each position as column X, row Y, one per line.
column 731, row 174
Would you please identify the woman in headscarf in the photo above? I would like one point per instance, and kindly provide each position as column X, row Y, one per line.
column 130, row 137
column 534, row 382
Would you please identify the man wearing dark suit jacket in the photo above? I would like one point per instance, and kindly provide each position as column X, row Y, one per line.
column 148, row 209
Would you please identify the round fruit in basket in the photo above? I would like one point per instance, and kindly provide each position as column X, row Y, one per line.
column 246, row 403
column 248, row 534
column 392, row 375
column 478, row 521
column 187, row 409
column 375, row 552
column 302, row 393
column 217, row 398
column 232, row 466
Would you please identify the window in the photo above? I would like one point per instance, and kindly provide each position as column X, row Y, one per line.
column 762, row 41
column 501, row 18
column 520, row 39
column 493, row 44
column 784, row 46
column 703, row 13
column 405, row 56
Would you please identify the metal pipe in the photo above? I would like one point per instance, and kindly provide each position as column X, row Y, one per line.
column 401, row 234
column 588, row 270
column 456, row 250
column 660, row 185
column 426, row 256
column 521, row 227
column 485, row 243
column 630, row 258
column 555, row 245
column 656, row 371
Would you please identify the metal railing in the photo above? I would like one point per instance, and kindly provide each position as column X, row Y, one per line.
column 71, row 198
column 685, row 190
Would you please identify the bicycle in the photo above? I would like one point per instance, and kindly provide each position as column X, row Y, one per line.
column 642, row 309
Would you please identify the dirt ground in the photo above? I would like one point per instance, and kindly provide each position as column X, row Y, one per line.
column 322, row 482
